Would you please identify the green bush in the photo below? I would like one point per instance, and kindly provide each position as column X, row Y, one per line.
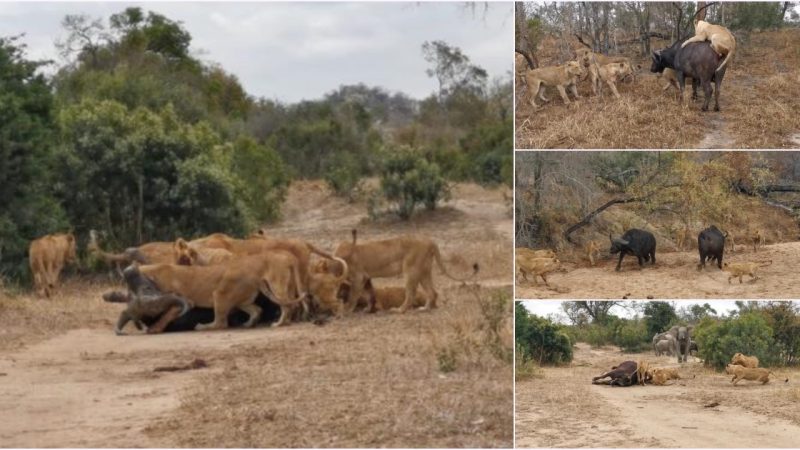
column 525, row 368
column 345, row 176
column 719, row 340
column 632, row 336
column 409, row 180
column 543, row 340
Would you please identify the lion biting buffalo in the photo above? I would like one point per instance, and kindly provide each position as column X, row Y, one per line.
column 219, row 281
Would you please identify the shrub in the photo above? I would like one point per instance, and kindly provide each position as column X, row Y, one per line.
column 408, row 180
column 749, row 333
column 540, row 338
column 344, row 176
column 525, row 368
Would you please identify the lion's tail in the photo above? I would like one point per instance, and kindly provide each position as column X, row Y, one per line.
column 345, row 270
column 108, row 258
column 319, row 252
column 438, row 257
column 725, row 61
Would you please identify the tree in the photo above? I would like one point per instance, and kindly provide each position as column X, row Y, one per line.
column 453, row 71
column 658, row 317
column 27, row 208
column 539, row 338
column 597, row 310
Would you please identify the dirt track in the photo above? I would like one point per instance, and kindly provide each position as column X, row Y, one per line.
column 674, row 276
column 366, row 380
column 563, row 408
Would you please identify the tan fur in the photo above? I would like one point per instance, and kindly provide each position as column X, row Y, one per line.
column 593, row 63
column 234, row 284
column 47, row 256
column 671, row 78
column 536, row 253
column 744, row 360
column 757, row 238
column 611, row 73
column 662, row 375
column 738, row 270
column 681, row 237
column 324, row 287
column 559, row 77
column 150, row 253
column 536, row 266
column 747, row 373
column 387, row 298
column 187, row 255
column 643, row 371
column 410, row 256
column 722, row 40
column 592, row 249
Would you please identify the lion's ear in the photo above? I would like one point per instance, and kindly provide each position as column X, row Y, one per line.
column 70, row 238
column 181, row 244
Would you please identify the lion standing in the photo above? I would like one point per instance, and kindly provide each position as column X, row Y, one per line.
column 47, row 257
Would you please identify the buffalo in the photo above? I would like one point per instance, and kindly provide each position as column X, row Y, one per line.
column 639, row 243
column 698, row 61
column 622, row 375
column 711, row 245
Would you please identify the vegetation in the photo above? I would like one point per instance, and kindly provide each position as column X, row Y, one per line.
column 768, row 330
column 136, row 137
column 539, row 339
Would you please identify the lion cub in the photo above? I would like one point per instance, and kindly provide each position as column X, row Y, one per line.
column 611, row 73
column 722, row 41
column 591, row 250
column 747, row 373
column 741, row 269
column 559, row 77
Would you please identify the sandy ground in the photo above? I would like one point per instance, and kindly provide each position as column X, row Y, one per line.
column 365, row 380
column 674, row 276
column 563, row 408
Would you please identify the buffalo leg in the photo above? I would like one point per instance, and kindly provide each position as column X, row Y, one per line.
column 695, row 85
column 124, row 318
column 619, row 263
column 682, row 84
column 717, row 85
column 707, row 92
column 641, row 261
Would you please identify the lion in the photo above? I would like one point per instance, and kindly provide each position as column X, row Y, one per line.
column 534, row 253
column 594, row 61
column 560, row 77
column 722, row 40
column 757, row 239
column 660, row 376
column 671, row 78
column 325, row 287
column 539, row 267
column 387, row 298
column 643, row 372
column 187, row 255
column 47, row 256
column 741, row 269
column 234, row 284
column 150, row 253
column 744, row 360
column 410, row 256
column 592, row 249
column 747, row 373
column 611, row 73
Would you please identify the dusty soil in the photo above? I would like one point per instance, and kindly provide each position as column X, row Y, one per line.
column 563, row 408
column 674, row 275
column 423, row 379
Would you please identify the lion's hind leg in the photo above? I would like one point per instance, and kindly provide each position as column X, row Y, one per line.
column 254, row 311
column 696, row 38
column 427, row 286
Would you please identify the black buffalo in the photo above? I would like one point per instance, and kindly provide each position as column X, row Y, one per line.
column 711, row 245
column 639, row 243
column 622, row 375
column 698, row 61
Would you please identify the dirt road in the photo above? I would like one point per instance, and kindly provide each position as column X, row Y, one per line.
column 674, row 276
column 563, row 408
column 366, row 380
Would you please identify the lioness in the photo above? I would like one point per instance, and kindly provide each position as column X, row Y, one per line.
column 747, row 373
column 741, row 269
column 325, row 287
column 387, row 298
column 410, row 256
column 757, row 239
column 611, row 73
column 534, row 253
column 187, row 255
column 539, row 267
column 660, row 376
column 744, row 360
column 234, row 284
column 643, row 372
column 594, row 61
column 560, row 77
column 47, row 257
column 592, row 249
column 722, row 40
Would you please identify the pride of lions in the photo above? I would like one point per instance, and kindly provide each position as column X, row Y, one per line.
column 629, row 373
column 167, row 279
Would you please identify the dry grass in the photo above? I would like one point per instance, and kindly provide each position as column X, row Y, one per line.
column 26, row 319
column 758, row 101
column 361, row 382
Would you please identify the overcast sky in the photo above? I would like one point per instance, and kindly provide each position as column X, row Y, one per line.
column 294, row 51
column 543, row 308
